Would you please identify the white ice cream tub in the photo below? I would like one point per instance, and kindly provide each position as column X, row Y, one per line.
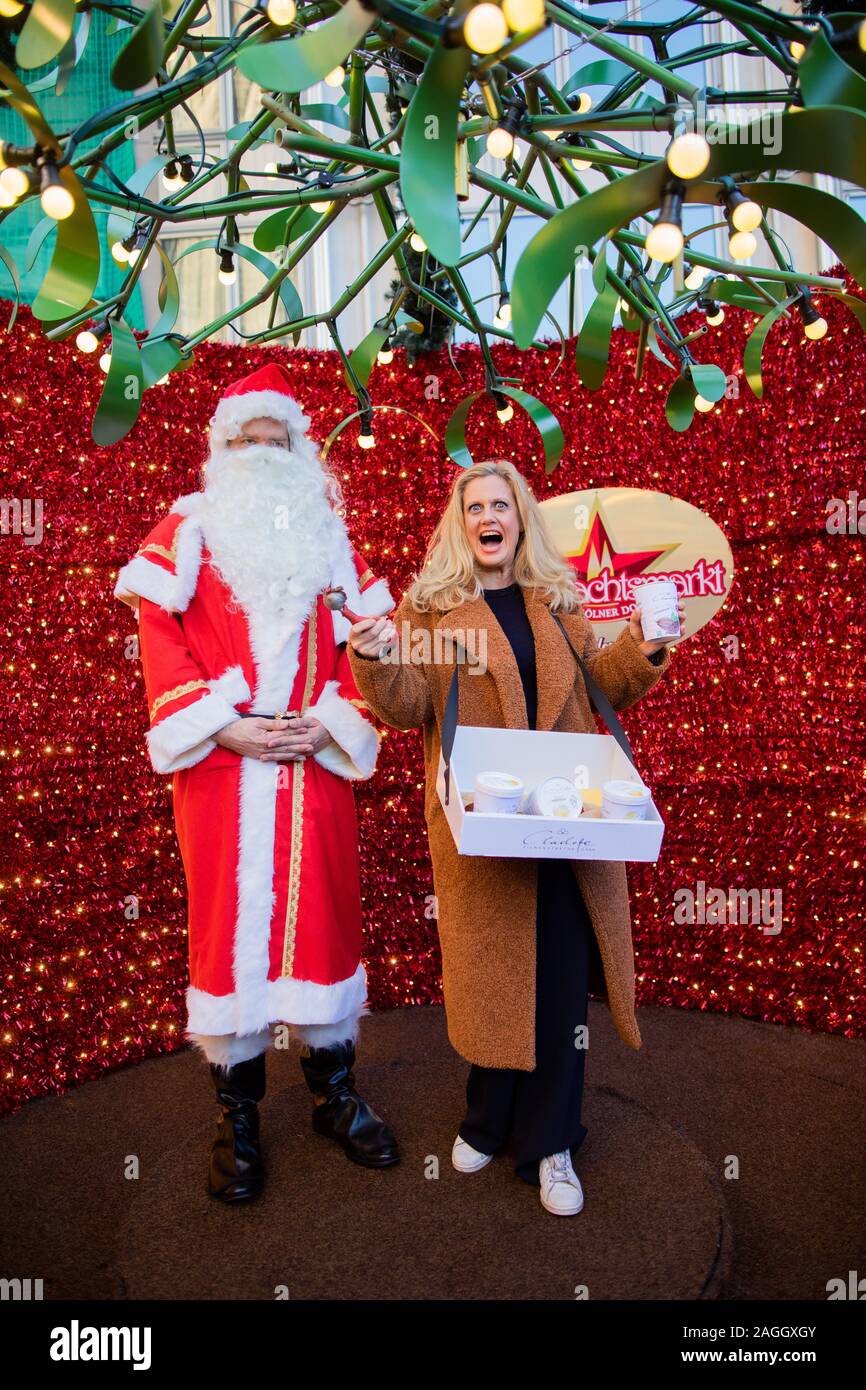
column 497, row 793
column 624, row 800
column 555, row 796
column 658, row 601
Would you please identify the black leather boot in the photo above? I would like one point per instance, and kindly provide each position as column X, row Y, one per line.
column 340, row 1113
column 235, row 1173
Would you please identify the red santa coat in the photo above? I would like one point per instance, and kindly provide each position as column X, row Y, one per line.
column 270, row 850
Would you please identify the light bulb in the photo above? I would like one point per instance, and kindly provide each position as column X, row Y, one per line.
column 506, row 413
column 523, row 14
column 171, row 179
column 485, row 28
column 336, row 77
column 816, row 330
column 504, row 311
column 500, row 143
column 57, row 201
column 716, row 318
column 366, row 441
column 14, row 181
column 384, row 356
column 742, row 245
column 105, row 361
column 696, row 277
column 665, row 241
column 271, row 167
column 161, row 381
column 703, row 405
column 580, row 164
column 87, row 341
column 417, row 242
column 281, row 12
column 584, row 103
column 796, row 49
column 10, row 8
column 226, row 273
column 861, row 35
column 119, row 252
column 7, row 199
column 134, row 255
column 747, row 216
column 688, row 155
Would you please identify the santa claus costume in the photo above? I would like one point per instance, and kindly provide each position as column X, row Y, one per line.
column 232, row 623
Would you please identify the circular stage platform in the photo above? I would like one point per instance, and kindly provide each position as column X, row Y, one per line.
column 653, row 1224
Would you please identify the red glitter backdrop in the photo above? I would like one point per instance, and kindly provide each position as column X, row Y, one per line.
column 756, row 763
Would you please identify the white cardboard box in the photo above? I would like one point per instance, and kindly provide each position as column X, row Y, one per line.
column 533, row 755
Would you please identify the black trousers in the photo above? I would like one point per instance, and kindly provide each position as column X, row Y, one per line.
column 538, row 1112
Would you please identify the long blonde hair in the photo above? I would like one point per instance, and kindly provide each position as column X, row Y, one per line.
column 448, row 576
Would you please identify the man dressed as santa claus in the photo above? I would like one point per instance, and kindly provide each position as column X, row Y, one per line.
column 256, row 717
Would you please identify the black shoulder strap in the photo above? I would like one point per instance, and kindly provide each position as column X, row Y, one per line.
column 449, row 721
column 597, row 698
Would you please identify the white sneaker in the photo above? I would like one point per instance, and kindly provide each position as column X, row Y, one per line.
column 561, row 1192
column 466, row 1159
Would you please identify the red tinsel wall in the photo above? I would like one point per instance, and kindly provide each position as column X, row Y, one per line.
column 756, row 763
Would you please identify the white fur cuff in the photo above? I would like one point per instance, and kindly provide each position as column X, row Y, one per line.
column 225, row 1050
column 173, row 592
column 356, row 743
column 326, row 1034
column 142, row 579
column 184, row 738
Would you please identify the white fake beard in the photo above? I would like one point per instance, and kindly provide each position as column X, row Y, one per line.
column 269, row 525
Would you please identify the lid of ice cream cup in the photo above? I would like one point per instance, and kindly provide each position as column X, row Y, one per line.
column 498, row 783
column 626, row 793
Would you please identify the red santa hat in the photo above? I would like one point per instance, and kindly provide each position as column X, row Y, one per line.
column 265, row 392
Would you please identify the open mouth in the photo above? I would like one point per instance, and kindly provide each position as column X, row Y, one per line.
column 490, row 538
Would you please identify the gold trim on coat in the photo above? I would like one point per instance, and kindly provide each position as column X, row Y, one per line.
column 296, row 849
column 161, row 549
column 175, row 695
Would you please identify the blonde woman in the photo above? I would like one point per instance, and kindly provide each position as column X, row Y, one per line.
column 523, row 940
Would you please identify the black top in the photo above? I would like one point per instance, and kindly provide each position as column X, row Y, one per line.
column 509, row 610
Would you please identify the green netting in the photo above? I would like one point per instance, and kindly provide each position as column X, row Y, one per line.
column 88, row 92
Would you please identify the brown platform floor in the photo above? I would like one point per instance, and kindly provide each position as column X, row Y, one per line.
column 661, row 1221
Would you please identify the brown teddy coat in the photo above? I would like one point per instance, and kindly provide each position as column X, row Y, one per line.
column 486, row 908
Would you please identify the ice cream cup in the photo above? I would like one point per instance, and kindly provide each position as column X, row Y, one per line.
column 497, row 793
column 624, row 800
column 555, row 797
column 658, row 601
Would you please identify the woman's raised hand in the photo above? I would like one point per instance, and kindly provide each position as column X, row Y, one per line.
column 649, row 648
column 371, row 636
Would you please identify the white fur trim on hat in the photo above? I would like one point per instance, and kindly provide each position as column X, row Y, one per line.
column 233, row 412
